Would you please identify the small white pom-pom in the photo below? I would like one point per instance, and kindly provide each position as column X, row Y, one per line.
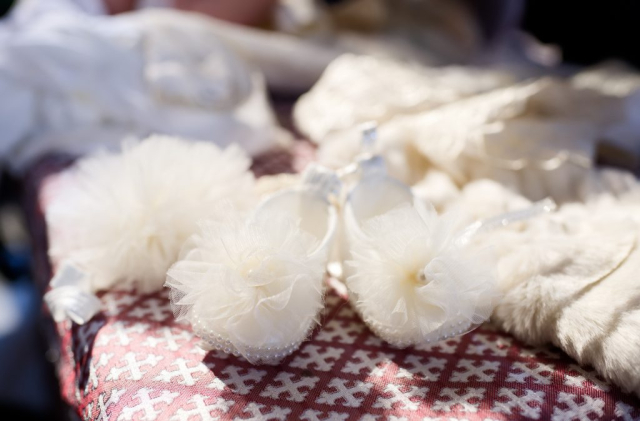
column 123, row 217
column 250, row 287
column 413, row 283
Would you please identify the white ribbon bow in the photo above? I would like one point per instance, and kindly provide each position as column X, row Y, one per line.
column 70, row 297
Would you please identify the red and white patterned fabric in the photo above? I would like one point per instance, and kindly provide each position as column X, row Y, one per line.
column 135, row 362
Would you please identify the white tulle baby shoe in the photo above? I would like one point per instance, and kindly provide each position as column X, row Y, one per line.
column 411, row 275
column 253, row 285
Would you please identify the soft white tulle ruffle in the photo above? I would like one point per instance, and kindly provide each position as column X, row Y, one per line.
column 413, row 283
column 123, row 217
column 251, row 287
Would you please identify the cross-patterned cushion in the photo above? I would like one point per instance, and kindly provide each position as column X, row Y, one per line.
column 135, row 362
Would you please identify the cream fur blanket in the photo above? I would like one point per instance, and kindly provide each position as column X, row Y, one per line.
column 571, row 280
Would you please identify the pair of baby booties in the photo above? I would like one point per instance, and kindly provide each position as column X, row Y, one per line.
column 248, row 274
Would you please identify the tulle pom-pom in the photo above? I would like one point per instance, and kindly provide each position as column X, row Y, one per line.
column 413, row 283
column 123, row 217
column 250, row 287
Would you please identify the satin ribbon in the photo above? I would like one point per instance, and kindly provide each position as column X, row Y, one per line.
column 502, row 220
column 70, row 297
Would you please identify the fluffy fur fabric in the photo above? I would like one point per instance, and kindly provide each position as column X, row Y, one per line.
column 123, row 217
column 571, row 280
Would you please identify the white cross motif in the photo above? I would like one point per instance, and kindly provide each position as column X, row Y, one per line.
column 535, row 373
column 520, row 403
column 444, row 347
column 415, row 367
column 288, row 388
column 336, row 331
column 88, row 412
column 257, row 413
column 202, row 409
column 312, row 415
column 374, row 366
column 583, row 376
column 216, row 384
column 153, row 308
column 348, row 394
column 461, row 399
column 624, row 412
column 103, row 406
column 103, row 360
column 133, row 367
column 147, row 405
column 484, row 373
column 322, row 361
column 482, row 343
column 575, row 411
column 170, row 340
column 196, row 350
column 242, row 383
column 183, row 372
column 121, row 331
column 115, row 302
column 403, row 398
